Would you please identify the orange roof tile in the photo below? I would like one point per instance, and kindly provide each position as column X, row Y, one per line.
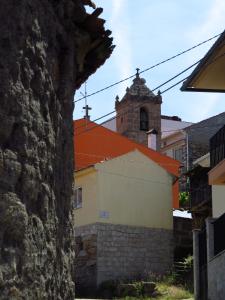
column 95, row 143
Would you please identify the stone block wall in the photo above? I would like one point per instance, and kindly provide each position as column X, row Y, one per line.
column 123, row 252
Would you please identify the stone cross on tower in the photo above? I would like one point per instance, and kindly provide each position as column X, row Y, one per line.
column 86, row 107
column 137, row 76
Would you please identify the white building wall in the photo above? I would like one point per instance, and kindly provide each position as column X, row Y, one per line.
column 218, row 200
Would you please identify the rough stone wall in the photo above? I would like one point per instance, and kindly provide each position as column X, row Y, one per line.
column 86, row 264
column 41, row 47
column 128, row 252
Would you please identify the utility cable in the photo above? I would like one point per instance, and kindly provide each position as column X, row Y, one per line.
column 147, row 69
column 164, row 83
column 164, row 91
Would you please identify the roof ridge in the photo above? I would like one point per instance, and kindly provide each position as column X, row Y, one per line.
column 197, row 123
column 131, row 141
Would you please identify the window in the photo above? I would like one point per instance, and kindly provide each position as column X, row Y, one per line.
column 78, row 198
column 178, row 154
column 143, row 119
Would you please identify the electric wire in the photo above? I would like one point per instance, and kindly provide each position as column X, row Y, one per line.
column 164, row 91
column 161, row 85
column 149, row 68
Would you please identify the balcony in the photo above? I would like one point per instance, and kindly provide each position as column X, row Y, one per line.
column 201, row 196
column 200, row 190
column 217, row 158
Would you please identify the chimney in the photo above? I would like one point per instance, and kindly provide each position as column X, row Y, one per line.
column 152, row 135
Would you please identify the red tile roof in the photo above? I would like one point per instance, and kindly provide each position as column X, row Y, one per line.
column 95, row 143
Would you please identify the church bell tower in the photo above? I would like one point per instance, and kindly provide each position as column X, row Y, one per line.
column 139, row 112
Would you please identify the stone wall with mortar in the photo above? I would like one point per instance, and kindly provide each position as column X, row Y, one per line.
column 126, row 252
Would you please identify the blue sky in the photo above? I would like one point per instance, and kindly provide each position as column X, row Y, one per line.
column 146, row 32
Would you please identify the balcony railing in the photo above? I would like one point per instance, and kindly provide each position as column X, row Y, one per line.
column 217, row 147
column 201, row 194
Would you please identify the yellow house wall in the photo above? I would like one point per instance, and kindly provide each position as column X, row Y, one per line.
column 218, row 200
column 87, row 214
column 172, row 143
column 133, row 190
column 211, row 76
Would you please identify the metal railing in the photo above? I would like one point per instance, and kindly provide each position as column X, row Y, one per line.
column 202, row 194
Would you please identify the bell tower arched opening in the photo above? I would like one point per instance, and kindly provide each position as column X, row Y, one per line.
column 138, row 112
column 144, row 124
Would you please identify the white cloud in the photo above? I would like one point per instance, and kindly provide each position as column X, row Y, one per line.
column 121, row 33
column 117, row 6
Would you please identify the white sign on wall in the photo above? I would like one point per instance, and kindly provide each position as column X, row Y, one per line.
column 103, row 214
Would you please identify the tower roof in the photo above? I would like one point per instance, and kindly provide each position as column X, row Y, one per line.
column 139, row 88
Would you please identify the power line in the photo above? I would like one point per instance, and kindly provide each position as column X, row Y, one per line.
column 164, row 91
column 164, row 83
column 163, row 131
column 147, row 69
column 135, row 178
column 106, row 158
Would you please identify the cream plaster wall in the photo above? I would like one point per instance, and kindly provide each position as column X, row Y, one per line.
column 218, row 200
column 172, row 142
column 133, row 190
column 88, row 180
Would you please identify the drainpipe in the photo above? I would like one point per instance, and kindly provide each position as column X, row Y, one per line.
column 187, row 149
column 187, row 145
column 187, row 165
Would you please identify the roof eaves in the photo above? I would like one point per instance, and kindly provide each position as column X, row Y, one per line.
column 85, row 168
column 163, row 164
column 186, row 84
